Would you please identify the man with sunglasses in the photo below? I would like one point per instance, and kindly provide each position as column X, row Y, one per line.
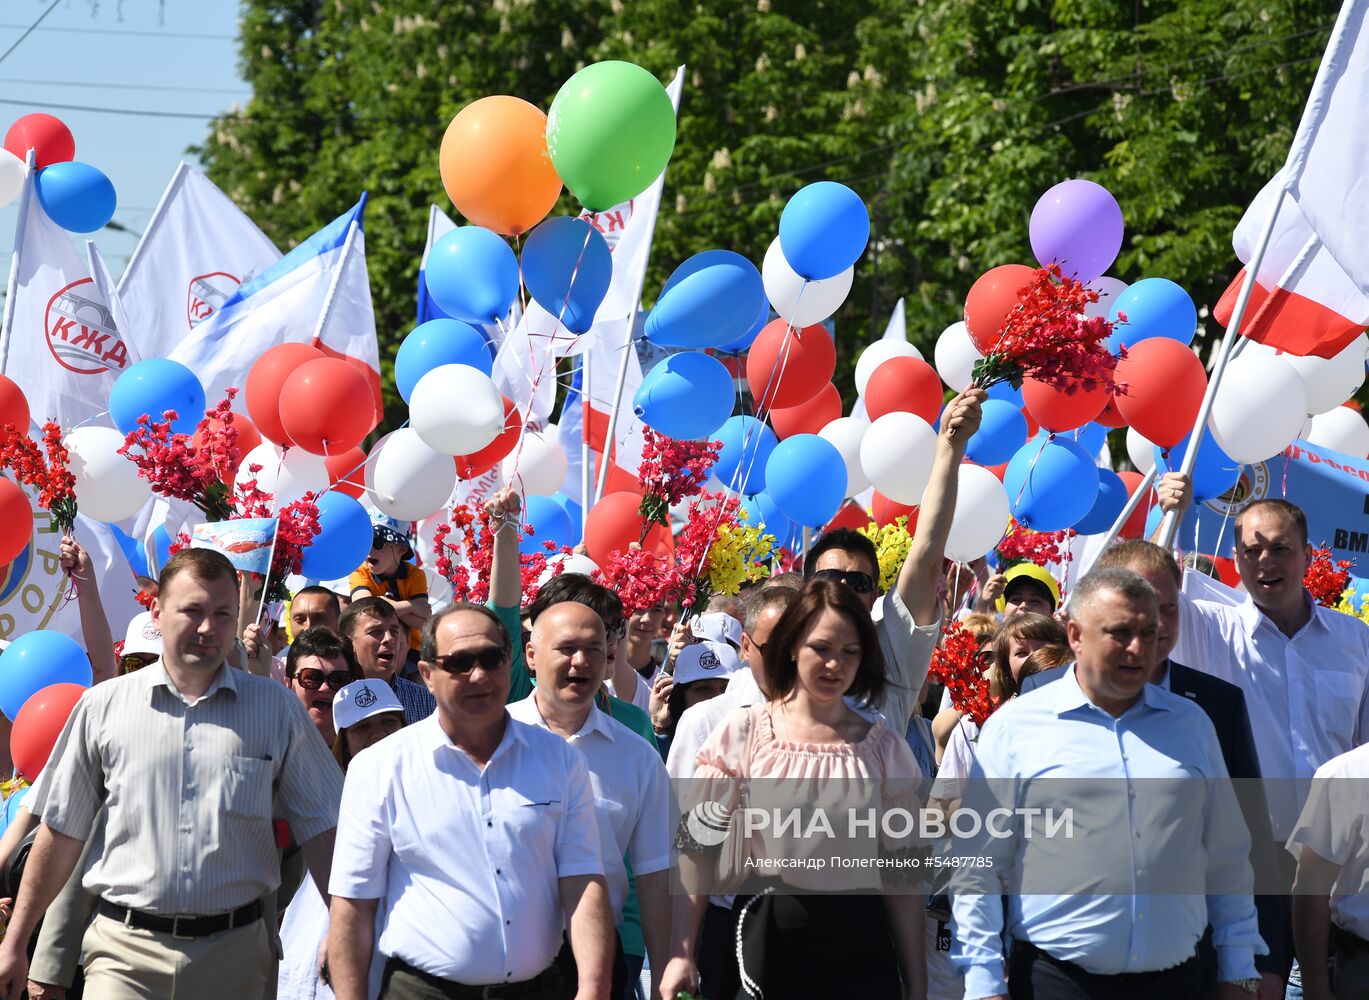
column 907, row 619
column 318, row 666
column 474, row 836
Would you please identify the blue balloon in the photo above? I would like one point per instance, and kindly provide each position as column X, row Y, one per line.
column 1005, row 392
column 576, row 513
column 1051, row 485
column 1112, row 497
column 550, row 523
column 1001, row 432
column 761, row 511
column 36, row 660
column 439, row 342
column 76, row 196
column 472, row 275
column 686, row 396
column 1090, row 437
column 747, row 444
column 1215, row 473
column 806, row 477
column 161, row 544
column 344, row 539
column 1187, row 527
column 710, row 305
column 567, row 267
column 747, row 339
column 823, row 230
column 152, row 388
column 1154, row 307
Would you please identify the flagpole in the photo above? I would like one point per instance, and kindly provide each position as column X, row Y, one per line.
column 1169, row 527
column 347, row 245
column 20, row 226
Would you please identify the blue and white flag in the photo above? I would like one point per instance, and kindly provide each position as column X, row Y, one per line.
column 246, row 541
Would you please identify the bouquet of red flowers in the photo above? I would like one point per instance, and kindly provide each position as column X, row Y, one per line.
column 670, row 472
column 1040, row 547
column 196, row 468
column 1048, row 337
column 955, row 664
column 51, row 477
column 464, row 549
column 1326, row 579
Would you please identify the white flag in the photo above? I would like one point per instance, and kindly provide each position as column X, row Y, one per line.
column 197, row 249
column 347, row 326
column 898, row 324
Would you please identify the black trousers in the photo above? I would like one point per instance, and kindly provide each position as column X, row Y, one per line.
column 716, row 956
column 1035, row 975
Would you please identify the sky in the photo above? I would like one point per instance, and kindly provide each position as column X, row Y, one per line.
column 159, row 69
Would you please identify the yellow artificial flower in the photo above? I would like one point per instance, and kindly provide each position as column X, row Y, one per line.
column 739, row 555
column 892, row 543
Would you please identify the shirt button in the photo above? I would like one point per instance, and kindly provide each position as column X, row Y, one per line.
column 1140, row 871
column 489, row 822
column 499, row 871
column 1140, row 916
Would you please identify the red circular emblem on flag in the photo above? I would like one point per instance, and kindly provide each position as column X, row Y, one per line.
column 81, row 333
column 206, row 294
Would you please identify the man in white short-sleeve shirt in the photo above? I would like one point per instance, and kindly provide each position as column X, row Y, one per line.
column 477, row 836
column 631, row 791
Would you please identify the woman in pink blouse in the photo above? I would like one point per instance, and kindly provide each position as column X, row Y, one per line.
column 806, row 929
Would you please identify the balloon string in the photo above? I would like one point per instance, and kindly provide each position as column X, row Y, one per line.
column 1026, row 480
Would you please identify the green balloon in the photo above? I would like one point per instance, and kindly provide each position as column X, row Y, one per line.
column 610, row 133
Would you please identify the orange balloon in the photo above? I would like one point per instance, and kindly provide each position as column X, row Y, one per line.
column 495, row 165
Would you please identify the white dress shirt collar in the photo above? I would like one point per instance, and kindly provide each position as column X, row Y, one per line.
column 1254, row 618
column 434, row 739
column 1065, row 695
column 530, row 712
column 154, row 675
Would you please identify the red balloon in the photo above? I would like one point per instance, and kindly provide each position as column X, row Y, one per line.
column 371, row 376
column 991, row 298
column 852, row 515
column 38, row 725
column 48, row 137
column 809, row 417
column 1165, row 383
column 886, row 511
column 470, row 466
column 248, row 438
column 1226, row 568
column 1136, row 523
column 1002, row 470
column 904, row 384
column 613, row 524
column 1059, row 411
column 265, row 380
column 786, row 366
column 14, row 406
column 1111, row 416
column 1033, row 428
column 16, row 522
column 344, row 472
column 325, row 406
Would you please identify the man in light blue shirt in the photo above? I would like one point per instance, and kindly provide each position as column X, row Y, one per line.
column 1102, row 910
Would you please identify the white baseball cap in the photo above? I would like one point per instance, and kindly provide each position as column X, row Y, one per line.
column 361, row 700
column 143, row 636
column 719, row 627
column 704, row 660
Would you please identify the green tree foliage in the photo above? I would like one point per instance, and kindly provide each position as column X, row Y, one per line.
column 949, row 116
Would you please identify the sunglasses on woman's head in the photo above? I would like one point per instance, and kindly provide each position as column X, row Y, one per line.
column 490, row 658
column 861, row 583
column 312, row 680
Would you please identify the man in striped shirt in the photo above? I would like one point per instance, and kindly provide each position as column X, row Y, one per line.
column 190, row 758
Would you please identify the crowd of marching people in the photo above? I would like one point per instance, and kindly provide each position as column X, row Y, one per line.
column 387, row 799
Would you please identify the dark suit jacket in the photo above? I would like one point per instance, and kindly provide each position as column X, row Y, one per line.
column 1224, row 704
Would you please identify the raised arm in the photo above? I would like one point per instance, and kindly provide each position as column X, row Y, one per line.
column 94, row 622
column 917, row 580
column 506, row 575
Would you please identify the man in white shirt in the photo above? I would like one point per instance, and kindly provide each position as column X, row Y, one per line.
column 631, row 791
column 477, row 836
column 1331, row 905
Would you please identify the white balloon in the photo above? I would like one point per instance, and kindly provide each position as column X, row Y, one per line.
column 537, row 465
column 108, row 487
column 797, row 300
column 11, row 177
column 846, row 434
column 1331, row 381
column 981, row 514
column 456, row 409
column 405, row 478
column 1259, row 408
column 287, row 478
column 878, row 353
column 955, row 356
column 1108, row 289
column 1140, row 451
column 896, row 456
column 1342, row 429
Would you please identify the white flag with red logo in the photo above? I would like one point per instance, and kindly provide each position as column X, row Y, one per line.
column 60, row 341
column 347, row 326
column 197, row 249
column 1312, row 286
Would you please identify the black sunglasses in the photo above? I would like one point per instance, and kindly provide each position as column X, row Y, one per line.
column 861, row 583
column 312, row 680
column 490, row 658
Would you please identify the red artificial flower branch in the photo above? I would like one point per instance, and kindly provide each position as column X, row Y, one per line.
column 1325, row 578
column 50, row 476
column 671, row 471
column 955, row 664
column 464, row 550
column 195, row 468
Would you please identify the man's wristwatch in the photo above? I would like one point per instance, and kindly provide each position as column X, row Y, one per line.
column 1250, row 986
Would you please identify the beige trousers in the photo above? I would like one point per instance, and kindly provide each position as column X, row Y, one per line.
column 122, row 963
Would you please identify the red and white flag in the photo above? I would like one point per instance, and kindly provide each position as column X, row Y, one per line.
column 1312, row 285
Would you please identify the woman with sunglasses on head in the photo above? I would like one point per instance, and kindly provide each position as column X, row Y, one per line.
column 807, row 745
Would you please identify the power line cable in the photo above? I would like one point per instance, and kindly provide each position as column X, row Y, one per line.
column 29, row 30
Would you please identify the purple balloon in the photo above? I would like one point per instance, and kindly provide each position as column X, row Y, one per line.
column 1078, row 225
